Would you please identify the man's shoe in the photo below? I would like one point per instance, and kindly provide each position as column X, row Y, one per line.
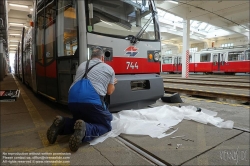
column 76, row 139
column 55, row 129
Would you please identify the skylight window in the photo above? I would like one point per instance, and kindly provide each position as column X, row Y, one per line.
column 203, row 25
column 195, row 24
column 208, row 28
column 169, row 16
column 161, row 13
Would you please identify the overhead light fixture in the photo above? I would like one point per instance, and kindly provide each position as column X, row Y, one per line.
column 31, row 9
column 17, row 5
column 175, row 2
column 201, row 38
column 247, row 29
column 12, row 48
column 18, row 24
column 13, row 45
column 14, row 41
column 12, row 34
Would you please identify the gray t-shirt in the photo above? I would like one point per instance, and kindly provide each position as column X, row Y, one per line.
column 100, row 75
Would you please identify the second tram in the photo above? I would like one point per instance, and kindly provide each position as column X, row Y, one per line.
column 212, row 60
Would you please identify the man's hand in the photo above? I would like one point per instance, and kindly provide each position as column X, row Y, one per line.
column 115, row 81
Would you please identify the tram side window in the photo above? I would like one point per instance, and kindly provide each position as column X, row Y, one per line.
column 167, row 60
column 247, row 56
column 235, row 56
column 66, row 28
column 205, row 57
column 190, row 58
column 50, row 15
column 215, row 58
column 179, row 60
column 40, row 36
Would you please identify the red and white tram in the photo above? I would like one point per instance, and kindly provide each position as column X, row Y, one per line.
column 64, row 32
column 212, row 60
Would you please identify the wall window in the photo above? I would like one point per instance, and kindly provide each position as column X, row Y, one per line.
column 169, row 52
column 66, row 28
column 205, row 57
column 194, row 49
column 227, row 45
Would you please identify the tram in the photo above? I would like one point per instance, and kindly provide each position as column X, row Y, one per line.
column 212, row 60
column 65, row 31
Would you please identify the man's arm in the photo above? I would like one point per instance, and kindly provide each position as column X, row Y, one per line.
column 111, row 87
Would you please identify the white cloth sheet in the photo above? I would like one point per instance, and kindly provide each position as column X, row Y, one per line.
column 156, row 121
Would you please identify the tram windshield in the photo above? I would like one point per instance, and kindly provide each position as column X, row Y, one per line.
column 122, row 18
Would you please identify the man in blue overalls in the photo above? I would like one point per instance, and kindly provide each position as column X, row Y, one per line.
column 91, row 118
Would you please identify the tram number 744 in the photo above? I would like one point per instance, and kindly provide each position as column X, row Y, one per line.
column 132, row 65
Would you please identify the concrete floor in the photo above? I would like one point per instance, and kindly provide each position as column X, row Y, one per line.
column 24, row 124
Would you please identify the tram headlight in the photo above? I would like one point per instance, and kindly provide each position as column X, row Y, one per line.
column 157, row 56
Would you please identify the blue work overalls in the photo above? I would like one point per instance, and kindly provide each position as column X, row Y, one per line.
column 86, row 104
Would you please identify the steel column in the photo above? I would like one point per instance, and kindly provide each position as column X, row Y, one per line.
column 185, row 48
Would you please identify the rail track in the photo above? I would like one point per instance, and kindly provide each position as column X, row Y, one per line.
column 233, row 88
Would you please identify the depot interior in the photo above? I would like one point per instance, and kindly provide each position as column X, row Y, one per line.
column 218, row 23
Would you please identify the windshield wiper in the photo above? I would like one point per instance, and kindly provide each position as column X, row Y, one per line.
column 133, row 39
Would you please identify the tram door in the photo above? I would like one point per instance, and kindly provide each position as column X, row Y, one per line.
column 45, row 47
column 67, row 47
column 218, row 62
column 177, row 64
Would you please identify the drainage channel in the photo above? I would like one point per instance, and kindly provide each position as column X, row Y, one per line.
column 142, row 152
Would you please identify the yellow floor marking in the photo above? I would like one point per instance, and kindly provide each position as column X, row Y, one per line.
column 212, row 101
column 19, row 149
column 38, row 122
column 35, row 116
column 209, row 101
column 18, row 132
